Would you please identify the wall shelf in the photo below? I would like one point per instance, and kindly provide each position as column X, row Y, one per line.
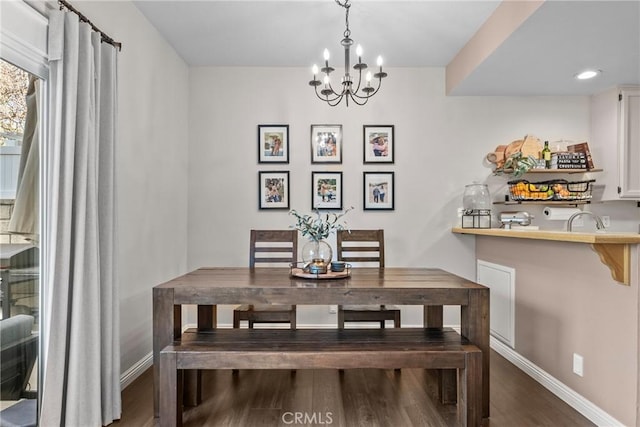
column 561, row 171
column 545, row 202
column 570, row 171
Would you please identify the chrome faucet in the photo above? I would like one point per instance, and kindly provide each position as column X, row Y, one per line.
column 596, row 218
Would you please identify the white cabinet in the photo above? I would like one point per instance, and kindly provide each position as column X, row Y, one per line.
column 615, row 141
column 629, row 144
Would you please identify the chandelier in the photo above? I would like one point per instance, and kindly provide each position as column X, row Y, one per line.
column 348, row 91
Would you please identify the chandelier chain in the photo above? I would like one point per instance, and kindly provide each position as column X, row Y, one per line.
column 346, row 6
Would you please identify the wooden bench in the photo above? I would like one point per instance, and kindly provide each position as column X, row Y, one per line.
column 431, row 348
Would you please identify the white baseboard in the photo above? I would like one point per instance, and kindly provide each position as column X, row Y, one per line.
column 136, row 370
column 566, row 394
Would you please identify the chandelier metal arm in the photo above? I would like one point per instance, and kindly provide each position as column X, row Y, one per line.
column 355, row 99
column 331, row 101
column 359, row 81
column 369, row 95
column 339, row 100
column 359, row 100
column 326, row 97
column 353, row 95
column 338, row 95
column 331, row 88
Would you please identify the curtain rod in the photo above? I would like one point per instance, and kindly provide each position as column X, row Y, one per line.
column 105, row 37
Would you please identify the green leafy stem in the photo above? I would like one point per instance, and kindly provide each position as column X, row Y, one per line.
column 517, row 165
column 318, row 227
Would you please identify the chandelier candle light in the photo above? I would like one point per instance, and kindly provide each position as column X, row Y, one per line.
column 328, row 93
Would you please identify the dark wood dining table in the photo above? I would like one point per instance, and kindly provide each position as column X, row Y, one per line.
column 428, row 287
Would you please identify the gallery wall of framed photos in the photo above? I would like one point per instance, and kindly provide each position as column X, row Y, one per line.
column 326, row 147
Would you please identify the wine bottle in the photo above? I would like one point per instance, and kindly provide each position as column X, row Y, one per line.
column 546, row 155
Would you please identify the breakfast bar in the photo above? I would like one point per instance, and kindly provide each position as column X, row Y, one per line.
column 431, row 288
column 613, row 248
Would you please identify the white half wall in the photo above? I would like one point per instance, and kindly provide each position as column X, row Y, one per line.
column 567, row 303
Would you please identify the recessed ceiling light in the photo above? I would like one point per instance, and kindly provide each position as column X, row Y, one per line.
column 587, row 74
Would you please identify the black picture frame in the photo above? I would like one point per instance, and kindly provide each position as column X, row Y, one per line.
column 326, row 190
column 273, row 190
column 273, row 144
column 378, row 143
column 378, row 191
column 326, row 143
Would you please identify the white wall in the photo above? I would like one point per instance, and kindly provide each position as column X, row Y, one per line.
column 151, row 168
column 440, row 143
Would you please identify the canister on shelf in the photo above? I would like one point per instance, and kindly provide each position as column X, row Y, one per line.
column 476, row 203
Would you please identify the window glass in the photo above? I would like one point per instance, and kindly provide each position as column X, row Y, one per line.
column 19, row 253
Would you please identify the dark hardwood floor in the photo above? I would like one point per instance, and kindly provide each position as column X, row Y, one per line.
column 366, row 397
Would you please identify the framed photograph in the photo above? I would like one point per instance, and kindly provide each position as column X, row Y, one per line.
column 273, row 190
column 326, row 143
column 326, row 190
column 273, row 143
column 379, row 191
column 378, row 143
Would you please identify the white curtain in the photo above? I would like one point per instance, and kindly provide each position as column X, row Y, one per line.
column 24, row 220
column 81, row 381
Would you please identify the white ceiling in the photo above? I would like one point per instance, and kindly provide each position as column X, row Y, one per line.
column 539, row 58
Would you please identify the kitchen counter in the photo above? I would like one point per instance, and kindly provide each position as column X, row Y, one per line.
column 613, row 248
column 562, row 236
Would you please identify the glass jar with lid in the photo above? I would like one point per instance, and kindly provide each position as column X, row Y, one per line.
column 476, row 198
column 476, row 204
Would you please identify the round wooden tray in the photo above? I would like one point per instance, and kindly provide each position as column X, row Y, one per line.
column 298, row 272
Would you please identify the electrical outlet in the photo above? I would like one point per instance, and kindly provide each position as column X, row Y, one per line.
column 578, row 364
column 606, row 221
column 333, row 309
column 578, row 222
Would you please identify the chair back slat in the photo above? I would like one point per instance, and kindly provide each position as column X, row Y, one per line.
column 362, row 246
column 273, row 246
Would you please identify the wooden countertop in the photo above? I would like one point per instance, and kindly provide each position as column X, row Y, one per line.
column 613, row 248
column 561, row 236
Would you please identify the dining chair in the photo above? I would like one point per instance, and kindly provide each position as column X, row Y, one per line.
column 365, row 247
column 269, row 248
